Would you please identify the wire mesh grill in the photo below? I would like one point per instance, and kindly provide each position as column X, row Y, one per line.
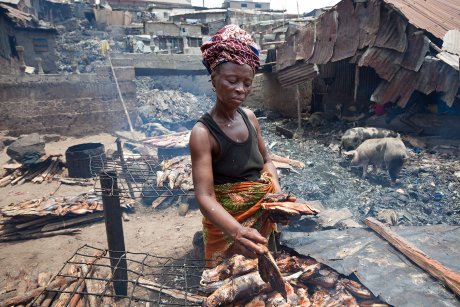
column 161, row 281
column 136, row 176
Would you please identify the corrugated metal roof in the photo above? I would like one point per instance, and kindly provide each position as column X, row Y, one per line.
column 451, row 42
column 297, row 74
column 449, row 58
column 434, row 16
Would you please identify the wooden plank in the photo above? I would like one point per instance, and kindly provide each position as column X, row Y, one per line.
column 450, row 278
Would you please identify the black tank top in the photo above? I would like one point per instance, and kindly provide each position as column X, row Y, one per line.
column 236, row 162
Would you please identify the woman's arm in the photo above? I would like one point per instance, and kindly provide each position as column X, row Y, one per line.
column 245, row 238
column 268, row 164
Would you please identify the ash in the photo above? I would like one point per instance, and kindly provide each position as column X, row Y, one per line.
column 426, row 192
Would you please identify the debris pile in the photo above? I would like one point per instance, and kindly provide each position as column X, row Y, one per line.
column 49, row 216
column 49, row 169
column 169, row 107
column 306, row 281
column 171, row 140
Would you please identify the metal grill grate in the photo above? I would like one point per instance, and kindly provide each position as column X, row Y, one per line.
column 161, row 281
column 136, row 176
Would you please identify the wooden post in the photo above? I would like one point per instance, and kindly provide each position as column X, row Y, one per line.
column 450, row 278
column 114, row 231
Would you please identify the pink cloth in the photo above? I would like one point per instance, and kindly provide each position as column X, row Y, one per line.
column 230, row 44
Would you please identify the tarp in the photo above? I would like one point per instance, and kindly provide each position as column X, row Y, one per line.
column 380, row 267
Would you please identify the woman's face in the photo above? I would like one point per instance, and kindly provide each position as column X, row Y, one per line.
column 232, row 83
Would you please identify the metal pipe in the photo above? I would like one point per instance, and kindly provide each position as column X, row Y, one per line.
column 114, row 231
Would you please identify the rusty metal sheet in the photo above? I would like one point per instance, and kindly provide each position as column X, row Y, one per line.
column 297, row 74
column 348, row 27
column 368, row 15
column 285, row 55
column 326, row 35
column 448, row 83
column 450, row 59
column 386, row 62
column 398, row 90
column 434, row 16
column 417, row 47
column 307, row 38
column 427, row 74
column 451, row 42
column 392, row 31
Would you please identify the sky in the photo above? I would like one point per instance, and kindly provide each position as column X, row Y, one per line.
column 289, row 5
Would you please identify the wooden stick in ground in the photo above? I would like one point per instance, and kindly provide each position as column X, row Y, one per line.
column 40, row 235
column 179, row 294
column 28, row 296
column 450, row 278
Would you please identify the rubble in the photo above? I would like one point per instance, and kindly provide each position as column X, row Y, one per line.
column 173, row 109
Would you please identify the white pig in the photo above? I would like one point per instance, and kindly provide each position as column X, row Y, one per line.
column 388, row 152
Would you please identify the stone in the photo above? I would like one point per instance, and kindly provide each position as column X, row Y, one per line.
column 183, row 209
column 27, row 149
column 198, row 245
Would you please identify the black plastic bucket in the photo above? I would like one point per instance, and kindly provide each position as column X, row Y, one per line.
column 79, row 159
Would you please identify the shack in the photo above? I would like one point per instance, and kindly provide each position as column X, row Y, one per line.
column 22, row 29
column 380, row 54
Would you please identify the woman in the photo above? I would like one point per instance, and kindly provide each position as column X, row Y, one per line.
column 232, row 170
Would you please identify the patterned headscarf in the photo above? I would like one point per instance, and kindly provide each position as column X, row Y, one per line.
column 230, row 44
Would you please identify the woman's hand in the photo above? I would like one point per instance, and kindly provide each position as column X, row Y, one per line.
column 249, row 242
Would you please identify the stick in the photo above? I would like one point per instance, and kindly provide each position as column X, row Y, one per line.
column 450, row 278
column 6, row 181
column 159, row 200
column 71, row 222
column 28, row 296
column 40, row 235
column 179, row 294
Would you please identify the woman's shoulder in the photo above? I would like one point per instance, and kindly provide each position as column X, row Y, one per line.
column 248, row 112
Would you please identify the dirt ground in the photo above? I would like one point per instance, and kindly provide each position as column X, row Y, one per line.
column 158, row 232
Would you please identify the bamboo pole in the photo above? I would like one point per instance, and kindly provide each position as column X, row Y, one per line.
column 447, row 276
